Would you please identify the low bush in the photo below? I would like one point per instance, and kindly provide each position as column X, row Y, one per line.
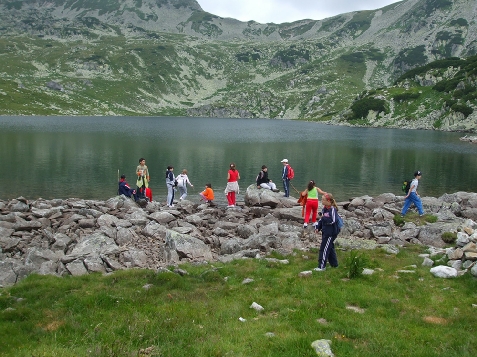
column 449, row 237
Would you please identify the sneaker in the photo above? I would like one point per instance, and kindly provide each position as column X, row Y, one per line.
column 421, row 215
column 276, row 190
column 319, row 269
column 305, row 225
column 402, row 216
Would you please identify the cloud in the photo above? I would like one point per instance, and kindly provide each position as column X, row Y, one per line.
column 280, row 11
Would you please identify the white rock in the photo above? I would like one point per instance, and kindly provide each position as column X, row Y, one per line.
column 256, row 306
column 442, row 271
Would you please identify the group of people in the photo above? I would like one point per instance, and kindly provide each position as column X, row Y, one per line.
column 324, row 221
column 172, row 182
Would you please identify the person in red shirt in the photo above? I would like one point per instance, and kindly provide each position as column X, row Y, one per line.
column 232, row 185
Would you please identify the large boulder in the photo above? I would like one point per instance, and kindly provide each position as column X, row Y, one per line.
column 180, row 247
column 261, row 197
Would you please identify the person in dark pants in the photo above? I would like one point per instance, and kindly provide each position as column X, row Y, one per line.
column 124, row 189
column 286, row 180
column 329, row 230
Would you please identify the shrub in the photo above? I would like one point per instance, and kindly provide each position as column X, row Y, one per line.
column 398, row 220
column 462, row 108
column 355, row 264
column 449, row 237
column 362, row 107
column 406, row 96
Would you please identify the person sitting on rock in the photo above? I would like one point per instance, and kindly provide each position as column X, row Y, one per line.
column 208, row 194
column 264, row 182
column 125, row 190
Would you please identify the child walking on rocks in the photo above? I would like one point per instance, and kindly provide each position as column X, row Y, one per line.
column 328, row 227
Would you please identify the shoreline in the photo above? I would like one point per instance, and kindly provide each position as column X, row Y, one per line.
column 76, row 236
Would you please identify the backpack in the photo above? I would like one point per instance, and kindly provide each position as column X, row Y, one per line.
column 291, row 173
column 406, row 186
column 339, row 222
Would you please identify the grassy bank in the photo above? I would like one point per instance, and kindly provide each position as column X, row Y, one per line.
column 384, row 314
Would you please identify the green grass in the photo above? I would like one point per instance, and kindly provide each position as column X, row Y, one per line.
column 197, row 314
column 414, row 218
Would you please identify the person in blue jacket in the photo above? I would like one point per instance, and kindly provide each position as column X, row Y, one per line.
column 124, row 189
column 286, row 180
column 329, row 230
column 171, row 186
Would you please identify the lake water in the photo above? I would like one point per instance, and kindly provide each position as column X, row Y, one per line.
column 61, row 157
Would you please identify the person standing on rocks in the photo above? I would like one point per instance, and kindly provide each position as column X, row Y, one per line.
column 286, row 180
column 182, row 181
column 264, row 182
column 232, row 187
column 311, row 205
column 412, row 196
column 171, row 186
column 143, row 178
column 329, row 230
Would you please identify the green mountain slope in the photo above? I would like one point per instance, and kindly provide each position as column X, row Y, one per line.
column 169, row 57
column 440, row 95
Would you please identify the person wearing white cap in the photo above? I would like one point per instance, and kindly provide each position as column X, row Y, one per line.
column 286, row 180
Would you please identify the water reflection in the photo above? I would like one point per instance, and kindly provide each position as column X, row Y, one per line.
column 80, row 157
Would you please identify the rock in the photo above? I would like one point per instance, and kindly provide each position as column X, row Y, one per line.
column 322, row 348
column 94, row 245
column 442, row 271
column 256, row 307
column 76, row 268
column 179, row 247
column 133, row 258
column 162, row 217
column 473, row 270
column 427, row 262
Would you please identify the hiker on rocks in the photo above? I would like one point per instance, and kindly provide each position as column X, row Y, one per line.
column 124, row 189
column 329, row 230
column 232, row 187
column 143, row 178
column 264, row 182
column 182, row 181
column 412, row 196
column 286, row 180
column 311, row 205
column 208, row 194
column 171, row 186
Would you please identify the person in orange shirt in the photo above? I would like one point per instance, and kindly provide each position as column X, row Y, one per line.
column 208, row 194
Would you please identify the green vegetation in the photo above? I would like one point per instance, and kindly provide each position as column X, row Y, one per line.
column 406, row 96
column 449, row 237
column 412, row 57
column 361, row 107
column 355, row 263
column 144, row 313
column 414, row 218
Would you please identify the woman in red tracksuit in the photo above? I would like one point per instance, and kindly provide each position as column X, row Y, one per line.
column 328, row 227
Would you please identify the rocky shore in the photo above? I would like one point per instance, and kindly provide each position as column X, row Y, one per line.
column 76, row 236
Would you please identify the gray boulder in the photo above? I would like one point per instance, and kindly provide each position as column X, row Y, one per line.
column 180, row 247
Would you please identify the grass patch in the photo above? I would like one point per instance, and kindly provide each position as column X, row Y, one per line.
column 198, row 314
column 414, row 218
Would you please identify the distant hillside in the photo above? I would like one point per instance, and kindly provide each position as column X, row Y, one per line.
column 440, row 95
column 169, row 57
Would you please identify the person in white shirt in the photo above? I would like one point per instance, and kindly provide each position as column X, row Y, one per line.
column 182, row 181
column 413, row 197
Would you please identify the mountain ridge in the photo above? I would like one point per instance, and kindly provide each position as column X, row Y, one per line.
column 172, row 58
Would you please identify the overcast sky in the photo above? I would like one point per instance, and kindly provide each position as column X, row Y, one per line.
column 279, row 11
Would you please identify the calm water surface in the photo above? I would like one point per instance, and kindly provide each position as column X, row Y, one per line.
column 61, row 157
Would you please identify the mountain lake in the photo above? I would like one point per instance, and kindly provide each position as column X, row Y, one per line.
column 82, row 157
